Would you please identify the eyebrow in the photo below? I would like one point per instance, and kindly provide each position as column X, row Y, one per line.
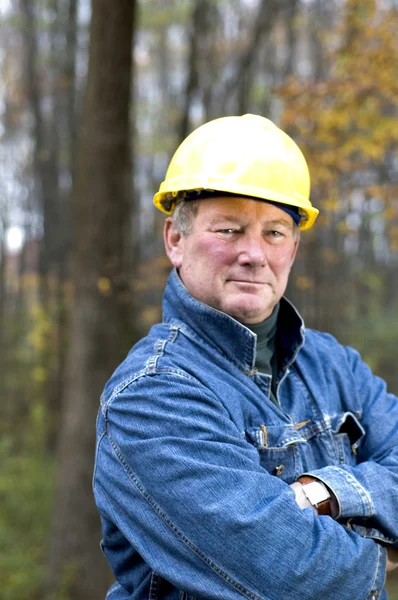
column 221, row 217
column 280, row 221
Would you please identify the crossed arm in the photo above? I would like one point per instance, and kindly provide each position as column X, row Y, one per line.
column 197, row 501
column 303, row 502
column 367, row 492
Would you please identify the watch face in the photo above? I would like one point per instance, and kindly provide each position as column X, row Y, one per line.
column 316, row 492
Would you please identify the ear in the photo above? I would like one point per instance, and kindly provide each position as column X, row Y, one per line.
column 174, row 243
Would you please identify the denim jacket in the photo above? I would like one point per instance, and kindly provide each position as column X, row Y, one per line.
column 193, row 463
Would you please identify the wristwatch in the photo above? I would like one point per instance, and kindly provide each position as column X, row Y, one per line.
column 317, row 494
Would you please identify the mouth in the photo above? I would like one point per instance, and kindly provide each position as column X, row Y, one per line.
column 247, row 282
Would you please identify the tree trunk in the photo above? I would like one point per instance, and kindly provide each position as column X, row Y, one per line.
column 3, row 258
column 45, row 159
column 62, row 142
column 70, row 75
column 241, row 82
column 46, row 137
column 198, row 31
column 291, row 25
column 102, row 301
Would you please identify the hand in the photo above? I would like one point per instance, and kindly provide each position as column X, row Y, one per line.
column 392, row 559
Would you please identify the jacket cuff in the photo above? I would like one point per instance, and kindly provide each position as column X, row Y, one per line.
column 352, row 498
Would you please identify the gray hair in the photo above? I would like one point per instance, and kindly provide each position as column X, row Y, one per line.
column 183, row 215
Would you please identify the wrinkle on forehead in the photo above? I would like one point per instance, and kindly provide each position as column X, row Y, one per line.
column 239, row 207
column 242, row 219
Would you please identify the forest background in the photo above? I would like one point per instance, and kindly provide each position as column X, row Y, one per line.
column 94, row 98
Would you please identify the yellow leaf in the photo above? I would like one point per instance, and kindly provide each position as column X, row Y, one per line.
column 104, row 286
column 39, row 374
column 303, row 282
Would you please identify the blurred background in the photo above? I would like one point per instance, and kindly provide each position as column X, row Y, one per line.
column 94, row 99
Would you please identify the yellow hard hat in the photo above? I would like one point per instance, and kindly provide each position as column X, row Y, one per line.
column 246, row 156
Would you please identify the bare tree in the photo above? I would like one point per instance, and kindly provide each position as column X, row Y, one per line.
column 199, row 29
column 3, row 253
column 242, row 80
column 101, row 308
column 45, row 152
column 292, row 13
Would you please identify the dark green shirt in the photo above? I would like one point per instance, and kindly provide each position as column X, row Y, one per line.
column 266, row 356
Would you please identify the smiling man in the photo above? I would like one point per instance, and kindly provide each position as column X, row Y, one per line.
column 241, row 455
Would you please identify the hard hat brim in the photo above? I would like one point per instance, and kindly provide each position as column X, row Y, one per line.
column 167, row 197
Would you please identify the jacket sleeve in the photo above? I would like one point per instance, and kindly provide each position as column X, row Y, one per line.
column 367, row 492
column 183, row 486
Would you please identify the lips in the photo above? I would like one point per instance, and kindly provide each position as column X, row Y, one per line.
column 246, row 282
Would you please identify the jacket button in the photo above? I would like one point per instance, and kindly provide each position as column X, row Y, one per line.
column 279, row 470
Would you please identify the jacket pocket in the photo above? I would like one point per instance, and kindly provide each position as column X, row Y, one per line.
column 277, row 450
column 348, row 434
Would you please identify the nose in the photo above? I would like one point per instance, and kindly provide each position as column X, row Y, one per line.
column 252, row 251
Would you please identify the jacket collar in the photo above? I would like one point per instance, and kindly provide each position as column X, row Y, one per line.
column 229, row 336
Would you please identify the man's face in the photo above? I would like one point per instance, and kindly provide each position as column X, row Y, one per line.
column 237, row 257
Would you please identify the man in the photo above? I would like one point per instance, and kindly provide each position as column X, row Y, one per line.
column 239, row 454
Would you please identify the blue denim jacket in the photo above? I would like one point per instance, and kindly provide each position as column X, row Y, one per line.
column 193, row 463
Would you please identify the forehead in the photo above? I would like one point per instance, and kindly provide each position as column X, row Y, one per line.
column 210, row 209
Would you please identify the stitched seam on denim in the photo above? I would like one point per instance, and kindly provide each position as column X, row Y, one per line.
column 103, row 434
column 154, row 586
column 119, row 388
column 322, row 426
column 289, row 440
column 282, row 445
column 179, row 326
column 158, row 371
column 174, row 331
column 152, row 360
column 218, row 570
column 151, row 363
column 288, row 447
column 189, row 333
column 376, row 573
column 247, row 333
column 170, row 371
column 374, row 534
column 359, row 489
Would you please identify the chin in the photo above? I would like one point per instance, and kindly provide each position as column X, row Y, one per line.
column 251, row 320
column 249, row 316
column 248, row 309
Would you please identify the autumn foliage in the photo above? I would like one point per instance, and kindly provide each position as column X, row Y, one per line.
column 347, row 123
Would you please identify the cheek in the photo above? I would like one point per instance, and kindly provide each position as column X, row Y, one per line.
column 281, row 261
column 216, row 253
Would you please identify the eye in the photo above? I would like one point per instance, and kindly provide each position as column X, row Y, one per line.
column 228, row 231
column 275, row 236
